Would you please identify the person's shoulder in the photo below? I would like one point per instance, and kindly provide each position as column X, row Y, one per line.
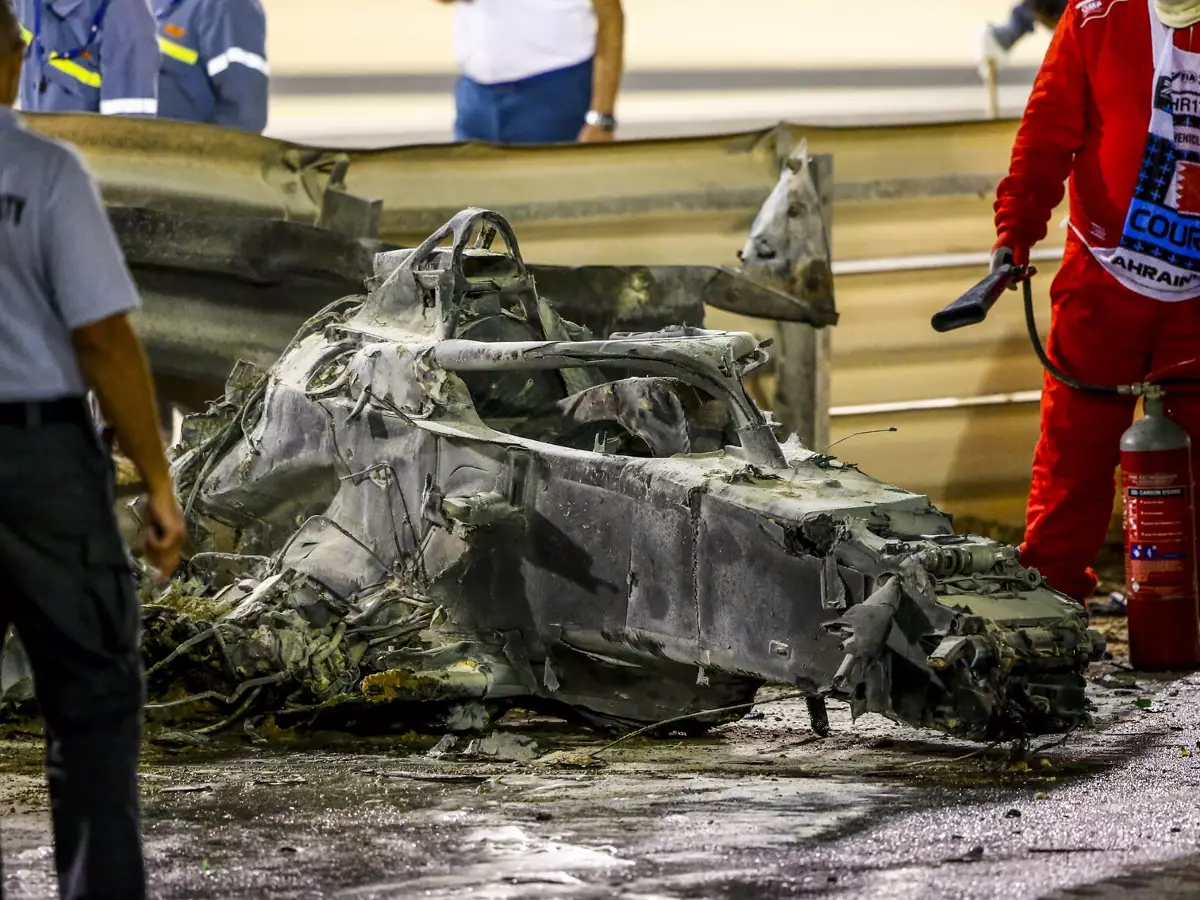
column 47, row 154
column 220, row 14
column 1085, row 12
column 53, row 174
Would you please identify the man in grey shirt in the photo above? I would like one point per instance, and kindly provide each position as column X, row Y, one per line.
column 64, row 295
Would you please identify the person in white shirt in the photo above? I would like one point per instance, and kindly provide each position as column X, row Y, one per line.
column 537, row 71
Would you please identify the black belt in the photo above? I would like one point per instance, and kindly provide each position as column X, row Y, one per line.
column 68, row 411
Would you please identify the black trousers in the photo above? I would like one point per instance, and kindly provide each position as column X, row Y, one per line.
column 65, row 584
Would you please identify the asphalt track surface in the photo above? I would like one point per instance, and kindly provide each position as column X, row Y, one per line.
column 759, row 809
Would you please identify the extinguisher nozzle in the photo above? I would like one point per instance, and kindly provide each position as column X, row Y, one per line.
column 973, row 306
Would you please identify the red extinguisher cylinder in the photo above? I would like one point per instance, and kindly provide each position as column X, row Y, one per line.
column 1160, row 542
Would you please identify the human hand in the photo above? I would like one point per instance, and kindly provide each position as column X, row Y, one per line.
column 590, row 134
column 1018, row 257
column 166, row 532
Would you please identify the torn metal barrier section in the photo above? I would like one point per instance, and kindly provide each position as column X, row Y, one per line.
column 444, row 500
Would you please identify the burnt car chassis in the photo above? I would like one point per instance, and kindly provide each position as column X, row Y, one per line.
column 444, row 500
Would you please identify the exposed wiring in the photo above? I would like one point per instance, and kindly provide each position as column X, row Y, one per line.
column 794, row 695
column 1044, row 358
column 393, row 480
column 957, row 759
column 1058, row 742
column 181, row 649
column 217, row 695
column 826, row 450
column 233, row 717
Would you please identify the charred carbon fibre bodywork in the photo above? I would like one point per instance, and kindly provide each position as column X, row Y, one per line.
column 444, row 494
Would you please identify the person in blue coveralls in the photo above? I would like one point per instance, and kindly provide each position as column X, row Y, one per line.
column 214, row 62
column 89, row 56
column 998, row 40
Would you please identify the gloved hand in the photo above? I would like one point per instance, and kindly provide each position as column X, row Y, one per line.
column 1001, row 256
column 1004, row 255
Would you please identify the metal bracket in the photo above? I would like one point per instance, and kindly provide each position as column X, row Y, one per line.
column 345, row 213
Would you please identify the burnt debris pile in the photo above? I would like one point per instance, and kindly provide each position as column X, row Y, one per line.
column 444, row 500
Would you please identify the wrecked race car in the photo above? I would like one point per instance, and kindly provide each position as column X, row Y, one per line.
column 443, row 501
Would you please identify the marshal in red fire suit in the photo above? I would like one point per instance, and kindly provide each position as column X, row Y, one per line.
column 1089, row 117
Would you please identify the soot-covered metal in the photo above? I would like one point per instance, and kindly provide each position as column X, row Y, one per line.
column 445, row 500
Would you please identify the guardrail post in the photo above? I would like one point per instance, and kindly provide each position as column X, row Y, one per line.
column 803, row 353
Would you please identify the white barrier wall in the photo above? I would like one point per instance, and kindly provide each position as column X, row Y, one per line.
column 709, row 46
column 311, row 36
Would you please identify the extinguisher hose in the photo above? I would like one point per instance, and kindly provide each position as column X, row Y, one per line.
column 1060, row 375
column 973, row 307
column 1047, row 363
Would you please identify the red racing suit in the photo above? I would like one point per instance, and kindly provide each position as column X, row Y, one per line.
column 1088, row 117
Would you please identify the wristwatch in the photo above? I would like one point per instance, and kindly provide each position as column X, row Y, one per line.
column 603, row 121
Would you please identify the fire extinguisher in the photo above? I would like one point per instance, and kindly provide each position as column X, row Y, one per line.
column 1160, row 539
column 1157, row 484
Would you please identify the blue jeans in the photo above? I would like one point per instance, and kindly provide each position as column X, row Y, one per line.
column 549, row 108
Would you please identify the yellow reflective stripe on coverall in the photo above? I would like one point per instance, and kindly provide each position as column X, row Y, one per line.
column 178, row 51
column 67, row 66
